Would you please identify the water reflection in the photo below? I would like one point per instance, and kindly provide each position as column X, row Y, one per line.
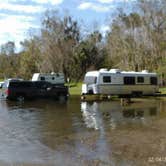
column 93, row 118
column 111, row 116
column 30, row 131
column 138, row 113
column 91, row 115
column 45, row 132
column 98, row 115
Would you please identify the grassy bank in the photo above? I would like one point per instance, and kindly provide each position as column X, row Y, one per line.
column 75, row 88
column 163, row 90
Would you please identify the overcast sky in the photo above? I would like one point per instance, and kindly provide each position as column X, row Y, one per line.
column 19, row 17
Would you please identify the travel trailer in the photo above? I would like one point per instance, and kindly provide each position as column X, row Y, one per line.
column 121, row 83
column 54, row 78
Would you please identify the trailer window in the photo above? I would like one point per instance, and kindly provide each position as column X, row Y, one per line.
column 106, row 79
column 90, row 80
column 129, row 80
column 42, row 78
column 140, row 79
column 153, row 80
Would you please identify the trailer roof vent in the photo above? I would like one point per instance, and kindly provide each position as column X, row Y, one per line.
column 115, row 70
column 103, row 69
column 144, row 71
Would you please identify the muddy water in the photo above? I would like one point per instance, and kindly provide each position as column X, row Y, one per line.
column 48, row 133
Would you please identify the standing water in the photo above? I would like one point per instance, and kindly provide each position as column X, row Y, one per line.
column 48, row 133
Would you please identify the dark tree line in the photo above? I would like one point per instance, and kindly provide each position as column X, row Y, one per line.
column 136, row 41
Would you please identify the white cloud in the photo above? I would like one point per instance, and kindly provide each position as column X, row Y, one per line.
column 15, row 28
column 53, row 2
column 106, row 1
column 104, row 29
column 95, row 7
column 113, row 1
column 21, row 8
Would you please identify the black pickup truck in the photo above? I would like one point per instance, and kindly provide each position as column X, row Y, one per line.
column 20, row 90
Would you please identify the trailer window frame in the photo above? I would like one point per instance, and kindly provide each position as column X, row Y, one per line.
column 106, row 79
column 153, row 80
column 140, row 79
column 129, row 80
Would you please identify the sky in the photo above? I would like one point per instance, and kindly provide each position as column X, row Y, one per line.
column 19, row 18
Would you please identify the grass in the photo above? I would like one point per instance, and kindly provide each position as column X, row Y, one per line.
column 75, row 88
column 163, row 90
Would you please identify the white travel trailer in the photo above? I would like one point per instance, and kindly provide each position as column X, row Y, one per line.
column 54, row 78
column 117, row 82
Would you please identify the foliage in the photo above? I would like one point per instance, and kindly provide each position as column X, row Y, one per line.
column 136, row 41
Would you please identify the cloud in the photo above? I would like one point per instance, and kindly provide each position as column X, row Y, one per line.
column 105, row 1
column 21, row 8
column 15, row 28
column 94, row 6
column 53, row 2
column 114, row 1
column 104, row 29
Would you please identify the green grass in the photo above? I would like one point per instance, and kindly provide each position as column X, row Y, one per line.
column 163, row 90
column 75, row 88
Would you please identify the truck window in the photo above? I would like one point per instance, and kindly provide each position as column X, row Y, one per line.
column 21, row 84
column 106, row 79
column 129, row 80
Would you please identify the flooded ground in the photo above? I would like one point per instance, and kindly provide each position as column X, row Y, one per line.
column 48, row 133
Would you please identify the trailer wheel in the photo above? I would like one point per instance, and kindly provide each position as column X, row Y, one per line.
column 90, row 91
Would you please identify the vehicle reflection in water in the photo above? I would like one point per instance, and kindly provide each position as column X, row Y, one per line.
column 30, row 132
column 138, row 113
column 96, row 115
column 91, row 115
column 93, row 119
column 46, row 133
column 106, row 116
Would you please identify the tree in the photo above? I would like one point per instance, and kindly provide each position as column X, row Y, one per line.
column 8, row 48
column 137, row 39
column 59, row 39
column 90, row 54
column 9, row 61
column 30, row 58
